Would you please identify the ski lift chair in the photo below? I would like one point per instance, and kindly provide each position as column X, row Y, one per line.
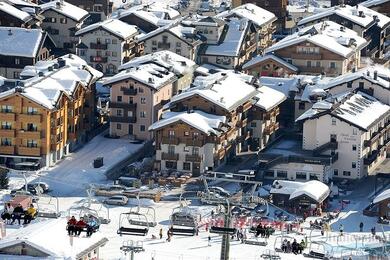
column 132, row 228
column 103, row 212
column 84, row 212
column 150, row 214
column 48, row 207
column 183, row 222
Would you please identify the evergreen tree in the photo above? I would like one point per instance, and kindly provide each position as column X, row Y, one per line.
column 3, row 178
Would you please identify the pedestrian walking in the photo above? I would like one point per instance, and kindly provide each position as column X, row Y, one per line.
column 361, row 225
column 209, row 241
column 161, row 233
column 341, row 229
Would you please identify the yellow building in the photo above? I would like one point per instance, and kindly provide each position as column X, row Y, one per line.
column 48, row 113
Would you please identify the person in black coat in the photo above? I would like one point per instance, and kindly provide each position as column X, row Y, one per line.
column 17, row 214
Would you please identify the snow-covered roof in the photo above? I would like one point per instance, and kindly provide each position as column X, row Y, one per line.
column 254, row 13
column 284, row 85
column 170, row 60
column 66, row 9
column 316, row 190
column 232, row 42
column 372, row 3
column 260, row 58
column 40, row 236
column 269, row 98
column 22, row 42
column 226, row 89
column 47, row 88
column 328, row 35
column 150, row 74
column 368, row 73
column 358, row 109
column 350, row 13
column 15, row 12
column 207, row 123
column 384, row 195
column 114, row 26
column 22, row 3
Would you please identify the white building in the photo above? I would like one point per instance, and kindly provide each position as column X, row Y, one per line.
column 355, row 126
column 62, row 20
column 108, row 44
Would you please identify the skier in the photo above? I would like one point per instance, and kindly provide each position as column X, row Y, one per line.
column 161, row 233
column 209, row 240
column 341, row 229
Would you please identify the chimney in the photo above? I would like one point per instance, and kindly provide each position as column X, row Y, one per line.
column 9, row 32
column 368, row 73
column 58, row 5
column 40, row 74
column 151, row 80
column 342, row 29
column 61, row 62
column 376, row 75
column 361, row 14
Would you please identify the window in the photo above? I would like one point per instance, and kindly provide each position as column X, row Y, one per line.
column 108, row 53
column 32, row 111
column 335, row 172
column 186, row 149
column 154, row 49
column 142, row 114
column 165, row 39
column 195, row 150
column 113, row 54
column 170, row 165
column 82, row 52
column 141, row 90
column 118, row 126
column 63, row 20
column 353, row 165
column 313, row 176
column 154, row 42
column 171, row 133
column 143, row 100
column 119, row 112
column 333, row 121
column 186, row 166
column 186, row 133
column 308, row 63
column 269, row 174
column 354, row 131
column 349, row 84
column 6, row 141
column 333, row 65
column 178, row 51
column 178, row 44
column 195, row 135
column 17, row 61
column 16, row 74
column 171, row 149
column 281, row 174
column 301, row 106
column 131, row 100
column 32, row 143
column 130, row 113
column 97, row 8
column 300, row 175
column 346, row 173
column 361, row 84
column 119, row 98
column 354, row 147
column 142, row 128
column 6, row 125
column 6, row 109
column 318, row 64
column 108, row 41
column 31, row 127
column 253, row 124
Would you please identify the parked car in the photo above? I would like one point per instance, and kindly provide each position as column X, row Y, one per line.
column 117, row 200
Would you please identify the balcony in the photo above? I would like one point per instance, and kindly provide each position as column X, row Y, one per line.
column 8, row 117
column 30, row 118
column 371, row 158
column 194, row 142
column 193, row 158
column 129, row 91
column 123, row 105
column 97, row 59
column 128, row 46
column 35, row 135
column 221, row 154
column 306, row 56
column 242, row 123
column 271, row 29
column 170, row 156
column 332, row 145
column 164, row 45
column 170, row 140
column 29, row 151
column 7, row 149
column 98, row 46
column 122, row 119
column 7, row 133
